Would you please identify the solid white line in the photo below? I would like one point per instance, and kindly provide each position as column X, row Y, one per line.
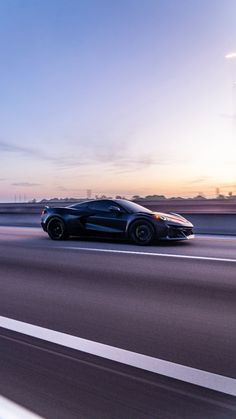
column 170, row 369
column 133, row 252
column 230, row 237
column 11, row 410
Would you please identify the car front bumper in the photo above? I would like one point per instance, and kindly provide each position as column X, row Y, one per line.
column 178, row 232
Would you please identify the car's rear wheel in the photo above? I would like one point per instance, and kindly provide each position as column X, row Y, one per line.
column 56, row 229
column 141, row 232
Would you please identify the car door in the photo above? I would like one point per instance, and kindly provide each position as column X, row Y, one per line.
column 104, row 219
column 76, row 218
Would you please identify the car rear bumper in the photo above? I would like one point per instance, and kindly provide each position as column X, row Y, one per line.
column 43, row 225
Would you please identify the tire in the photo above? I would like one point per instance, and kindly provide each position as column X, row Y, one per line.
column 56, row 229
column 141, row 232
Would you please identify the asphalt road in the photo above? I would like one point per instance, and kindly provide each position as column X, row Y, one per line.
column 174, row 302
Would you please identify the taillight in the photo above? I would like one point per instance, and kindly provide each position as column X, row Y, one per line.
column 43, row 211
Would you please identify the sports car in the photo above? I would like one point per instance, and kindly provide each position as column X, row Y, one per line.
column 117, row 218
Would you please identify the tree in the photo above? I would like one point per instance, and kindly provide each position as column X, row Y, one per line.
column 155, row 197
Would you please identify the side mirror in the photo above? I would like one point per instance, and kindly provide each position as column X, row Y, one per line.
column 115, row 210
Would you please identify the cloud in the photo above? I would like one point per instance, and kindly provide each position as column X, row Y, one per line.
column 27, row 151
column 199, row 180
column 65, row 189
column 111, row 161
column 115, row 154
column 26, row 184
column 127, row 165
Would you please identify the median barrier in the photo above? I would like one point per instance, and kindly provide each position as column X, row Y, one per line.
column 213, row 223
column 206, row 216
column 181, row 206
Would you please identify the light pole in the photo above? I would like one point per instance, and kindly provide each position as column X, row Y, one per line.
column 232, row 57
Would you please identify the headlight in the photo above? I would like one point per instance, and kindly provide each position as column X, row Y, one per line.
column 160, row 217
column 172, row 218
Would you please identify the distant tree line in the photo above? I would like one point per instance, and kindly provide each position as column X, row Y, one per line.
column 136, row 198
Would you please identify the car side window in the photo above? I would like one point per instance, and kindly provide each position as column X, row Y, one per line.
column 81, row 206
column 99, row 206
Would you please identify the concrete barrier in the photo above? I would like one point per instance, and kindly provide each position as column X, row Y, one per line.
column 203, row 223
column 181, row 206
column 213, row 223
column 20, row 220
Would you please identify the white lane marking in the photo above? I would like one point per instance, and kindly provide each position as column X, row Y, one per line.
column 11, row 410
column 201, row 378
column 133, row 252
column 11, row 231
column 215, row 238
column 212, row 236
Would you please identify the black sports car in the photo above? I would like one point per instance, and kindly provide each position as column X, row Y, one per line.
column 116, row 218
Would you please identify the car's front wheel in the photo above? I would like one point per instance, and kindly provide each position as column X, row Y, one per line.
column 56, row 229
column 141, row 232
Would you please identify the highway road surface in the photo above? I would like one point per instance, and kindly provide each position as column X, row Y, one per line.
column 104, row 329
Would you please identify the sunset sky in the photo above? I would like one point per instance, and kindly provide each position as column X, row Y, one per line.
column 120, row 97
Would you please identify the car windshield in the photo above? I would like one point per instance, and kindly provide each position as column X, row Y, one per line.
column 133, row 207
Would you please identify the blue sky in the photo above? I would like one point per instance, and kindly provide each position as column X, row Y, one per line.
column 118, row 97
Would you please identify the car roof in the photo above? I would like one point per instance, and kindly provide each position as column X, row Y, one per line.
column 118, row 201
